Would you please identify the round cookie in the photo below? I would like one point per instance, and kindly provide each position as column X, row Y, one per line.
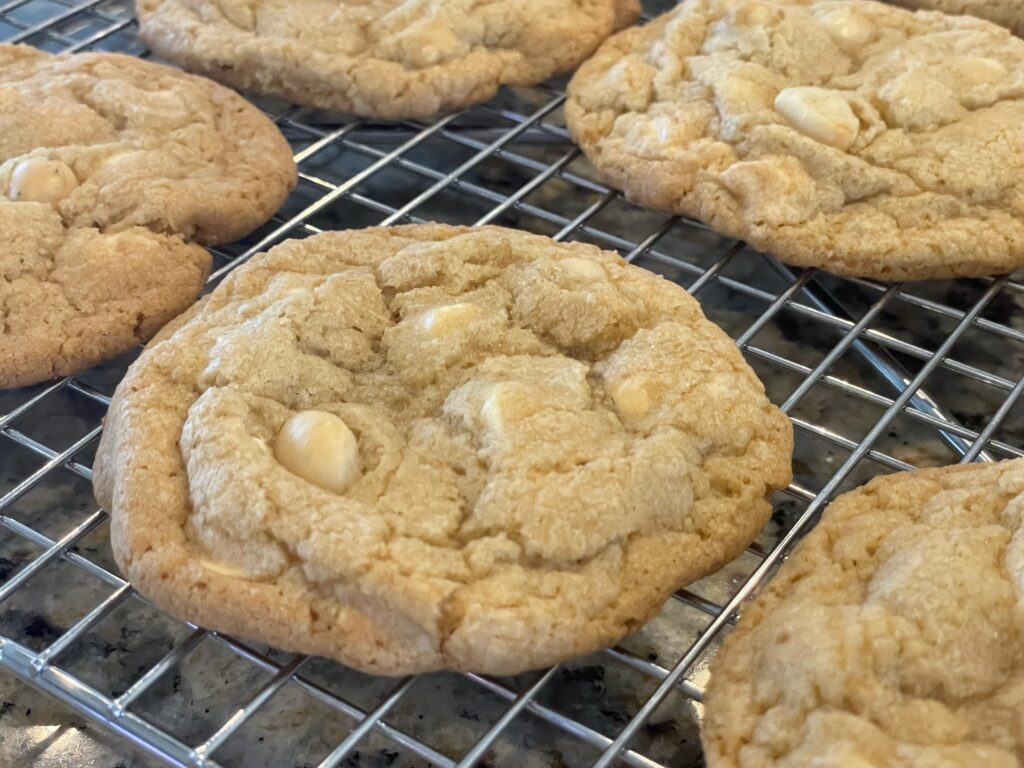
column 851, row 135
column 894, row 635
column 109, row 167
column 139, row 144
column 389, row 59
column 433, row 447
column 1009, row 13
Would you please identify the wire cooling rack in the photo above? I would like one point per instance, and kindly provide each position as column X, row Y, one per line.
column 876, row 378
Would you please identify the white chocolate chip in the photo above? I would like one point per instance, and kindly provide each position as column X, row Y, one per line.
column 40, row 180
column 581, row 271
column 774, row 190
column 446, row 320
column 507, row 403
column 224, row 569
column 240, row 14
column 752, row 181
column 501, row 407
column 631, row 400
column 917, row 102
column 848, row 27
column 319, row 447
column 819, row 113
column 981, row 69
column 752, row 14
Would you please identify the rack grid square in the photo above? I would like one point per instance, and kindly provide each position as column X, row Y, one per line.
column 877, row 378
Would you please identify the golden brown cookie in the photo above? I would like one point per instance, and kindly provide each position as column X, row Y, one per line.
column 109, row 168
column 852, row 135
column 436, row 447
column 893, row 637
column 1009, row 13
column 387, row 59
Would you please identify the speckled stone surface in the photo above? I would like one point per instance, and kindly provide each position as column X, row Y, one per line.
column 37, row 732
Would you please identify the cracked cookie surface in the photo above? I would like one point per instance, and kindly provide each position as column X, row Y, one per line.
column 387, row 59
column 893, row 637
column 1009, row 13
column 831, row 134
column 436, row 447
column 110, row 168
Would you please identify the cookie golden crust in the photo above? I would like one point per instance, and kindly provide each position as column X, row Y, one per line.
column 73, row 297
column 831, row 134
column 109, row 167
column 435, row 447
column 138, row 144
column 388, row 59
column 1008, row 13
column 894, row 635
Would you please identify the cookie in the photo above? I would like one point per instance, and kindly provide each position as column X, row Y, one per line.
column 1008, row 13
column 73, row 297
column 894, row 635
column 390, row 59
column 852, row 136
column 111, row 168
column 436, row 447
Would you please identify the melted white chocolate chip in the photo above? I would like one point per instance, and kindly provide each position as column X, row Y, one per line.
column 446, row 320
column 319, row 447
column 581, row 271
column 819, row 113
column 502, row 407
column 752, row 15
column 848, row 27
column 224, row 569
column 40, row 180
column 631, row 400
column 981, row 69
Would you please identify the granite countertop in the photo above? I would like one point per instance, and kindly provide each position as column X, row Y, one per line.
column 37, row 732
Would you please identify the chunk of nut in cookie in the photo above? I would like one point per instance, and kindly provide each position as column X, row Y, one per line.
column 820, row 114
column 40, row 180
column 444, row 321
column 320, row 448
column 580, row 272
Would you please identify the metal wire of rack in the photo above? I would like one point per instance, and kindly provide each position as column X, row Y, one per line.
column 876, row 378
